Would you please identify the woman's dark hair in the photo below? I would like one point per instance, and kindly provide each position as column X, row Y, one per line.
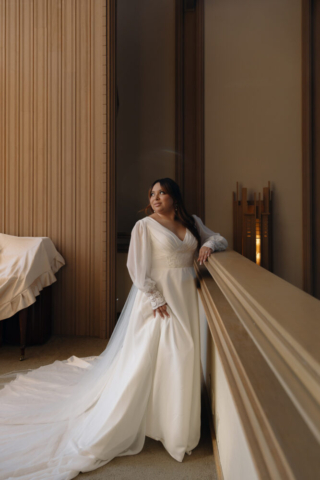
column 172, row 188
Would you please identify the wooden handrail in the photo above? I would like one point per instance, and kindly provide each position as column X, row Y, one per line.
column 267, row 333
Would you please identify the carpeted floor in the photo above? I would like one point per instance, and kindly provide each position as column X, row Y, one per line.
column 153, row 463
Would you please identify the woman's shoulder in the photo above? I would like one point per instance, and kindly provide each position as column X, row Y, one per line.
column 142, row 221
column 140, row 224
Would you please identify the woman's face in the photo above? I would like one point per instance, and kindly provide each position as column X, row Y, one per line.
column 160, row 200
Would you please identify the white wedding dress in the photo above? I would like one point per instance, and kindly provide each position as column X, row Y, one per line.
column 77, row 415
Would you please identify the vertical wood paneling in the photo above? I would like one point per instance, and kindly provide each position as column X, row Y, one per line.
column 54, row 147
column 109, row 115
column 12, row 117
column 40, row 125
column 92, row 25
column 54, row 135
column 68, row 275
column 103, row 74
column 54, row 120
column 26, row 118
column 83, row 160
column 96, row 134
column 99, row 152
column 3, row 114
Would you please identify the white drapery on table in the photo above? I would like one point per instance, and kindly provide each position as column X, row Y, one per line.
column 27, row 265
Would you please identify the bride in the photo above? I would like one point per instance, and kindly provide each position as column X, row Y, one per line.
column 77, row 415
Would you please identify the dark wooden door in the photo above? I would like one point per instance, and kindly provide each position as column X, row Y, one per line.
column 316, row 145
column 311, row 145
column 190, row 103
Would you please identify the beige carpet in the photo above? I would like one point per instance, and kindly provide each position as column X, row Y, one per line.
column 153, row 463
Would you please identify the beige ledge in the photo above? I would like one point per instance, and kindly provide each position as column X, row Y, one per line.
column 267, row 333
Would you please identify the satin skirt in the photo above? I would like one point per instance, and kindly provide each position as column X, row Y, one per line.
column 152, row 388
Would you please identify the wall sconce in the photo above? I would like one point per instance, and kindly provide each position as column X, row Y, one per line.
column 252, row 226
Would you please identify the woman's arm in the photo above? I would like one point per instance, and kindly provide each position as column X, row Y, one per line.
column 209, row 240
column 138, row 264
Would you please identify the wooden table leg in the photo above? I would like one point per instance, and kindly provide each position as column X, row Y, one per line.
column 23, row 330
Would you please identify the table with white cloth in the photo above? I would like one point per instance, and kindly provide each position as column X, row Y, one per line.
column 27, row 265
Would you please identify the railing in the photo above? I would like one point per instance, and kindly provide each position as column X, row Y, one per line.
column 267, row 335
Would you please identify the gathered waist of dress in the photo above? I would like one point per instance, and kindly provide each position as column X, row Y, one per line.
column 177, row 261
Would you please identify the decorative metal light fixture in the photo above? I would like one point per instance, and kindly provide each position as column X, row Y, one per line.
column 252, row 226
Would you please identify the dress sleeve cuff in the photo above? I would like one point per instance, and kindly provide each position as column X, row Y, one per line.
column 210, row 244
column 157, row 300
column 218, row 244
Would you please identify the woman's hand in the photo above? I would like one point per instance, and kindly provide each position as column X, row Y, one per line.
column 162, row 310
column 204, row 253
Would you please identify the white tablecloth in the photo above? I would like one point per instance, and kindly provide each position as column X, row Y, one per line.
column 27, row 265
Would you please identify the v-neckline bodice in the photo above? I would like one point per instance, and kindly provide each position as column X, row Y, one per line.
column 168, row 229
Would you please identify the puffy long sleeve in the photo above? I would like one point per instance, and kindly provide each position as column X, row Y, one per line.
column 209, row 238
column 139, row 262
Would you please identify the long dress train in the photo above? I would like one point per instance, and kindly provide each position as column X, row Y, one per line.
column 77, row 415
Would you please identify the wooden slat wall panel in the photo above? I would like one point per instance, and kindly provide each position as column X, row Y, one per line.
column 83, row 157
column 109, row 116
column 54, row 8
column 12, row 117
column 40, row 119
column 68, row 275
column 93, row 285
column 3, row 18
column 26, row 119
column 99, row 189
column 53, row 146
